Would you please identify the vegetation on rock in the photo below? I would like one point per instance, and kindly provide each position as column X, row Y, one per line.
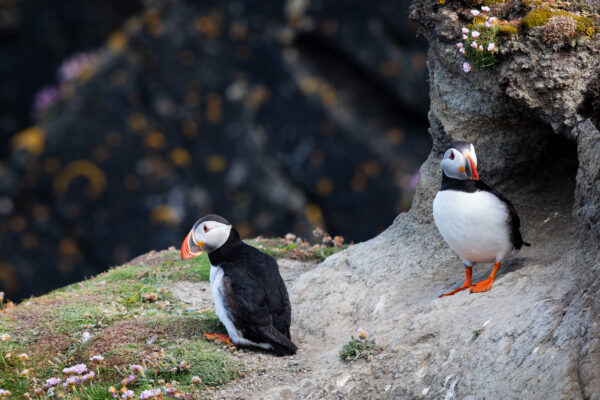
column 123, row 333
column 359, row 347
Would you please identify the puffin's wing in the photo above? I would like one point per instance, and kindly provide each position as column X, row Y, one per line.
column 248, row 302
column 513, row 218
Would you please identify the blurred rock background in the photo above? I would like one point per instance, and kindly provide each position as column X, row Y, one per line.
column 122, row 122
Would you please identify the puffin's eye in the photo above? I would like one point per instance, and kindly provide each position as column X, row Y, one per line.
column 205, row 228
column 451, row 156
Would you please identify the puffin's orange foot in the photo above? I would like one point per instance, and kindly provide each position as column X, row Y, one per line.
column 454, row 291
column 219, row 337
column 482, row 286
column 466, row 284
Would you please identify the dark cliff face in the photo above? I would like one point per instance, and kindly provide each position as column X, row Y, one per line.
column 36, row 37
column 280, row 117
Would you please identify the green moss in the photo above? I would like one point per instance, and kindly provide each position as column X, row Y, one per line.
column 193, row 325
column 541, row 16
column 532, row 3
column 507, row 30
column 75, row 317
column 492, row 2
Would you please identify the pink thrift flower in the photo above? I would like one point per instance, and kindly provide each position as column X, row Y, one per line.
column 459, row 45
column 474, row 44
column 493, row 19
column 465, row 37
column 465, row 30
column 475, row 34
column 491, row 46
column 466, row 67
column 488, row 24
column 461, row 50
column 480, row 48
column 128, row 395
column 50, row 382
column 485, row 9
column 475, row 12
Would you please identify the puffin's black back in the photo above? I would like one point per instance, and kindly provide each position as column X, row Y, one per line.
column 255, row 294
column 471, row 186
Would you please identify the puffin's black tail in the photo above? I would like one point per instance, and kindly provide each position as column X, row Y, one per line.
column 282, row 346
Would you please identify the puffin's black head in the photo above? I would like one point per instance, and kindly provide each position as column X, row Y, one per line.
column 460, row 161
column 208, row 234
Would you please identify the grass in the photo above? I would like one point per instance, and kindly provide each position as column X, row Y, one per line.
column 129, row 316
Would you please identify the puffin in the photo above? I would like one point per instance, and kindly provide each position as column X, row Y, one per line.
column 249, row 295
column 476, row 221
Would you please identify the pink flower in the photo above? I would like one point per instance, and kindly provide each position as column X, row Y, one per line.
column 50, row 382
column 128, row 394
column 474, row 44
column 461, row 50
column 480, row 48
column 465, row 30
column 475, row 12
column 475, row 34
column 76, row 369
column 488, row 24
column 493, row 19
column 466, row 67
column 465, row 37
column 459, row 45
column 485, row 9
column 491, row 47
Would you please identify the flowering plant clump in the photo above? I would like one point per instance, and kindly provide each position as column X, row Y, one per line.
column 151, row 394
column 479, row 43
column 76, row 369
column 359, row 347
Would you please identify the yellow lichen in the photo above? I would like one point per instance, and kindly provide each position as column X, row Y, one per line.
column 31, row 139
column 78, row 168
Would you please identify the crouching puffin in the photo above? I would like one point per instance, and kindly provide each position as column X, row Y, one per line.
column 250, row 297
column 476, row 221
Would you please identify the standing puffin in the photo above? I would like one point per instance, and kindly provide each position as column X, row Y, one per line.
column 250, row 297
column 476, row 221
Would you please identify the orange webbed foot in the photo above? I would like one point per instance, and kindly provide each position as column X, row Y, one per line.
column 454, row 291
column 482, row 286
column 219, row 337
column 486, row 284
column 466, row 285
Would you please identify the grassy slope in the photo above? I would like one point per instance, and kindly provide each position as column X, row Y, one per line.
column 128, row 316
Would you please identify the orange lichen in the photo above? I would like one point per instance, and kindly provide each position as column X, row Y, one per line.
column 31, row 139
column 216, row 163
column 180, row 157
column 165, row 214
column 81, row 168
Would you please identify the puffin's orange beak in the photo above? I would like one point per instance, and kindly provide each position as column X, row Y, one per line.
column 186, row 253
column 474, row 174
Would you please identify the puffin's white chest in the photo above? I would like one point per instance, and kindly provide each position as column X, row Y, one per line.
column 475, row 225
column 216, row 289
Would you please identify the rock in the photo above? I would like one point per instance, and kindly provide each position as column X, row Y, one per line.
column 46, row 30
column 532, row 121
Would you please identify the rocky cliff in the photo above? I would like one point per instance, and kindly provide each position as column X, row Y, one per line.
column 534, row 121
